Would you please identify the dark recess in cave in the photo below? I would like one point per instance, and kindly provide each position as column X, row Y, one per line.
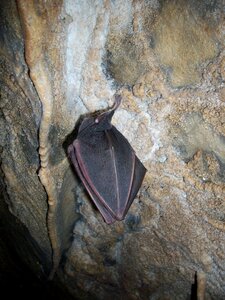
column 16, row 278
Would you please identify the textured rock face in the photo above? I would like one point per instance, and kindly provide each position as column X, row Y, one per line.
column 166, row 59
column 20, row 110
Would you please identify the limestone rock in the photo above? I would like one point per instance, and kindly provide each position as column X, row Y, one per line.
column 20, row 119
column 166, row 60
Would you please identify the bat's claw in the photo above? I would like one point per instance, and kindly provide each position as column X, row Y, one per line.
column 118, row 99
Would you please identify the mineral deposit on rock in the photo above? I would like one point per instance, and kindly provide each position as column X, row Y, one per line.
column 63, row 59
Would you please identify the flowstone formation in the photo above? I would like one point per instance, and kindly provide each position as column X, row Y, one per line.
column 64, row 59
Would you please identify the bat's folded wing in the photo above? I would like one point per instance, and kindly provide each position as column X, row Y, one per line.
column 109, row 219
column 110, row 171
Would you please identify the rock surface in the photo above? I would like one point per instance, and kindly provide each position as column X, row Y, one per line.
column 19, row 124
column 63, row 59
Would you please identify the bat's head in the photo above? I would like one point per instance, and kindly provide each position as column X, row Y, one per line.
column 100, row 122
column 104, row 119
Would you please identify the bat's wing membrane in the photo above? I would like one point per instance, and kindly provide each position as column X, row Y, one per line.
column 139, row 173
column 124, row 164
column 130, row 171
column 110, row 169
column 103, row 210
column 107, row 166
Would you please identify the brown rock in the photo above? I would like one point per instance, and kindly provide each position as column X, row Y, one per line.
column 163, row 58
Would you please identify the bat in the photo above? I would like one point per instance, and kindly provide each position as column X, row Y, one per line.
column 107, row 165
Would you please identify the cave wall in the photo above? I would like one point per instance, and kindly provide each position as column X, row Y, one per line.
column 63, row 59
column 20, row 110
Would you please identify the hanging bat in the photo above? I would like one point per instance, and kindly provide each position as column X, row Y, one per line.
column 107, row 165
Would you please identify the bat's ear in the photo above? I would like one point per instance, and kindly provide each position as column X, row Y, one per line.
column 109, row 113
column 103, row 121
